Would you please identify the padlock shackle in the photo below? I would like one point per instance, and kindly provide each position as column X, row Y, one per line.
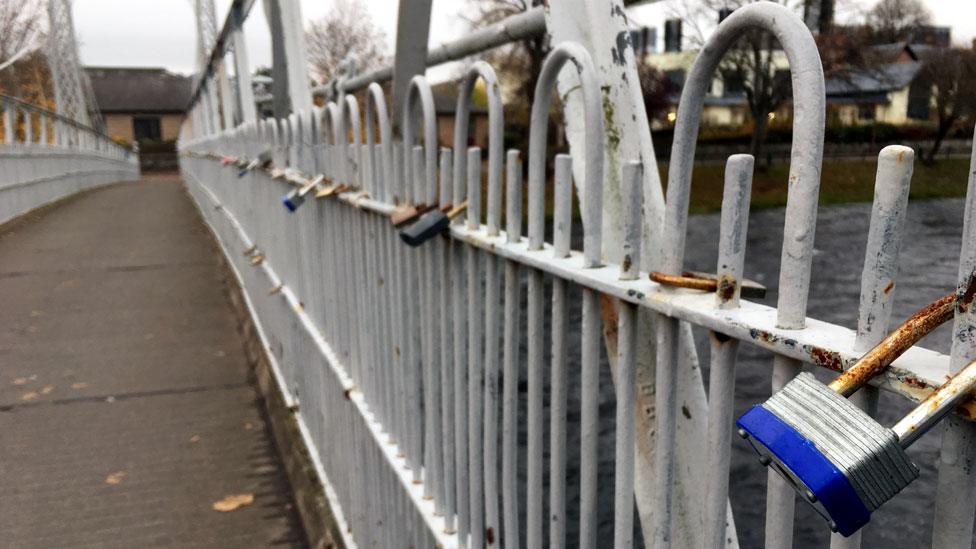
column 938, row 404
column 894, row 345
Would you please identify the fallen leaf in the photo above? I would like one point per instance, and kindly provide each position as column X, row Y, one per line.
column 115, row 478
column 47, row 389
column 232, row 502
column 35, row 313
column 195, row 438
column 79, row 385
column 20, row 381
column 29, row 396
column 248, row 426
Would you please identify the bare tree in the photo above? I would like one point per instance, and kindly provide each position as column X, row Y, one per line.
column 894, row 20
column 347, row 32
column 752, row 67
column 657, row 89
column 952, row 74
column 21, row 30
column 519, row 64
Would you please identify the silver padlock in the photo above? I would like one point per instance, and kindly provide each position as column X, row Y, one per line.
column 836, row 456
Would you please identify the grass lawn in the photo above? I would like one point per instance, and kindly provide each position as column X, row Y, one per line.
column 841, row 181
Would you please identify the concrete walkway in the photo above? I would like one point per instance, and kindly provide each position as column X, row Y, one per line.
column 127, row 408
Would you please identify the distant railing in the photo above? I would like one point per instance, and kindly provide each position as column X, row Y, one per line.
column 45, row 156
column 402, row 351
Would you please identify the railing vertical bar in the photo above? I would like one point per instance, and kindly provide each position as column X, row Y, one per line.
column 562, row 228
column 415, row 349
column 476, row 320
column 443, row 251
column 589, row 414
column 492, row 319
column 431, row 385
column 624, row 474
column 721, row 385
column 510, row 359
column 459, row 298
column 956, row 491
column 891, row 187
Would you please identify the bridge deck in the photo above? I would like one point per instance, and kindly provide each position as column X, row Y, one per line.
column 126, row 405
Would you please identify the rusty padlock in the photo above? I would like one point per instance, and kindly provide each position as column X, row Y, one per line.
column 836, row 456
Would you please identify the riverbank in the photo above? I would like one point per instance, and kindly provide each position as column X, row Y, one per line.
column 842, row 182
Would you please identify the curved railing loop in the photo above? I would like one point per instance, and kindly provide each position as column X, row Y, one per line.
column 376, row 113
column 809, row 112
column 419, row 90
column 592, row 209
column 496, row 125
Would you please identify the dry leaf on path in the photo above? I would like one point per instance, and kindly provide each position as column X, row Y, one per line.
column 20, row 381
column 47, row 389
column 232, row 502
column 115, row 478
column 79, row 385
column 195, row 438
column 248, row 426
column 29, row 396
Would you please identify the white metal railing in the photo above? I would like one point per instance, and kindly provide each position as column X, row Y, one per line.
column 403, row 363
column 45, row 157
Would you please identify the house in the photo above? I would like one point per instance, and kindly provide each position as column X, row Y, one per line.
column 445, row 105
column 674, row 49
column 145, row 105
column 890, row 92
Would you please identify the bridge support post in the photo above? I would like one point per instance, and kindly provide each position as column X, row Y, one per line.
column 246, row 111
column 413, row 31
column 604, row 33
column 291, row 88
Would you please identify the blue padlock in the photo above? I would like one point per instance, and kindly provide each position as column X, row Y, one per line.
column 836, row 456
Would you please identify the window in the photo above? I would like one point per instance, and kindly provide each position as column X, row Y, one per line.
column 676, row 77
column 672, row 35
column 643, row 40
column 733, row 84
column 865, row 112
column 919, row 98
column 146, row 128
column 723, row 13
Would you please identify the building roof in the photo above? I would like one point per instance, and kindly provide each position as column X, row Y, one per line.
column 893, row 76
column 139, row 90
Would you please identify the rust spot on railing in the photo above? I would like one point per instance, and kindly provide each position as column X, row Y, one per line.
column 726, row 287
column 490, row 536
column 889, row 287
column 827, row 359
column 915, row 382
column 967, row 295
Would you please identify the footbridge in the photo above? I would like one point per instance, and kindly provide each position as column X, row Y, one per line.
column 333, row 328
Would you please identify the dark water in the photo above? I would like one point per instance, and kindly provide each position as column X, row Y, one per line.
column 928, row 269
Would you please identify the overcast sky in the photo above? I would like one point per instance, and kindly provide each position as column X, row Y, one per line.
column 161, row 33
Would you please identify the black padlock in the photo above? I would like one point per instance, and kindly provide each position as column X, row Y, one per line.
column 430, row 225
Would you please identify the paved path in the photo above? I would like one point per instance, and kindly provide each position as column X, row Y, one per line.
column 126, row 404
